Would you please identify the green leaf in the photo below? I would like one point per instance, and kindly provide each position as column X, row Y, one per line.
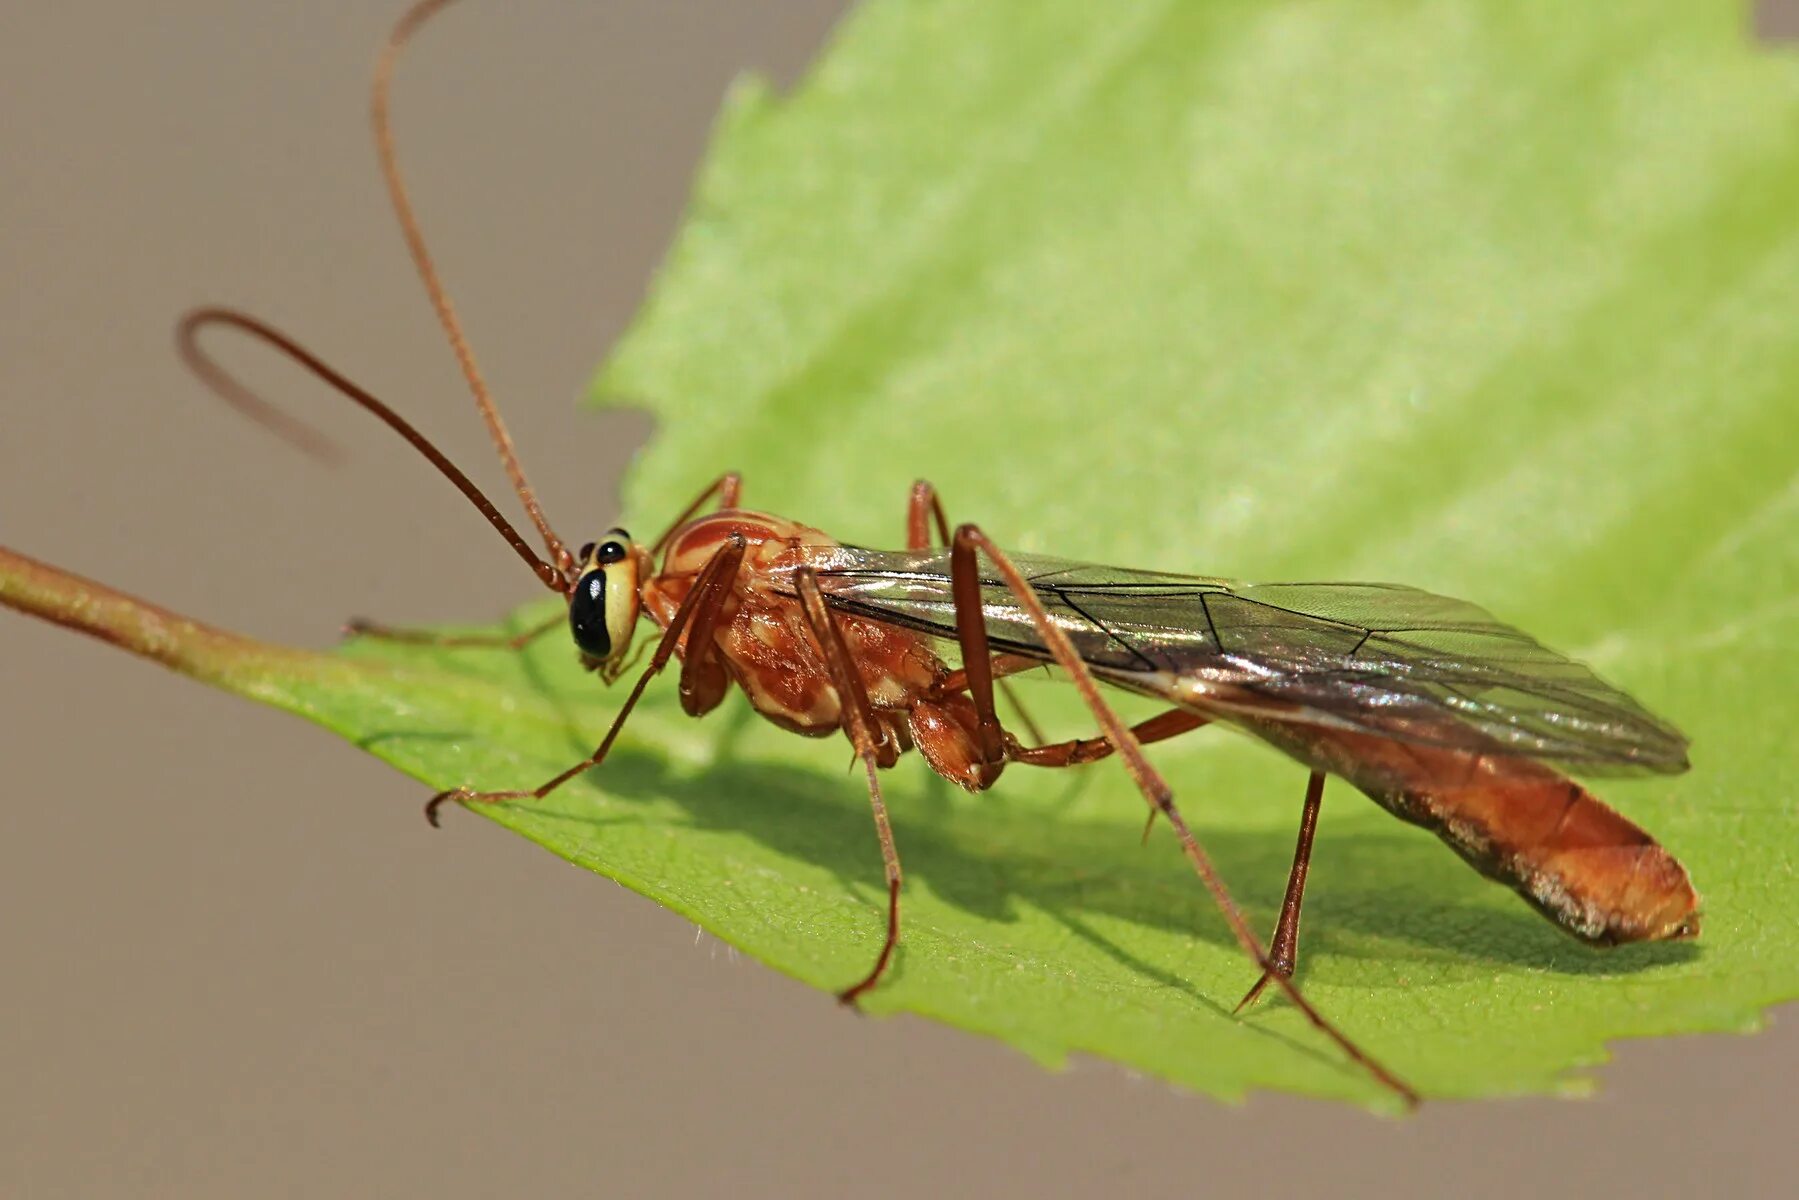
column 1492, row 298
column 1495, row 298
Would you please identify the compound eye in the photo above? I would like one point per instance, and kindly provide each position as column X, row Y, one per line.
column 587, row 615
column 586, row 553
column 615, row 546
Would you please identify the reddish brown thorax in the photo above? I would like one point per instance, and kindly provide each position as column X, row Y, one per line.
column 763, row 644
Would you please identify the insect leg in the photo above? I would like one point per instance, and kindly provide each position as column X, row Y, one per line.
column 1076, row 751
column 729, row 490
column 357, row 627
column 921, row 510
column 859, row 718
column 710, row 588
column 1283, row 951
column 704, row 680
column 971, row 633
column 924, row 509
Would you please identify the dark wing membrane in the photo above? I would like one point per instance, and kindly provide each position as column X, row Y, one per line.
column 1375, row 657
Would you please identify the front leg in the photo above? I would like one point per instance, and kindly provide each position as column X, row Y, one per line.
column 701, row 605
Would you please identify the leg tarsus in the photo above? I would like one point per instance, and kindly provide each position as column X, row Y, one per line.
column 463, row 795
column 851, row 995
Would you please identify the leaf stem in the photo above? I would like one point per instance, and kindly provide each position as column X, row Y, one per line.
column 216, row 656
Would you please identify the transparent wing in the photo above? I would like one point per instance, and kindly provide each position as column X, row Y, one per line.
column 1379, row 658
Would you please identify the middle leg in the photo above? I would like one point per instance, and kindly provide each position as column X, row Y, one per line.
column 858, row 717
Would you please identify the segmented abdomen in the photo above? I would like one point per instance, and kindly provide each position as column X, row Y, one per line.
column 1571, row 856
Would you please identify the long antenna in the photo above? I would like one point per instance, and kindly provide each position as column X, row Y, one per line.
column 221, row 381
column 403, row 31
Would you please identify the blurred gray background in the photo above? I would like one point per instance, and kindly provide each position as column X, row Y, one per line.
column 236, row 961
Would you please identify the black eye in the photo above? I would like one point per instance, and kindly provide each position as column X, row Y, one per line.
column 587, row 615
column 586, row 553
column 611, row 552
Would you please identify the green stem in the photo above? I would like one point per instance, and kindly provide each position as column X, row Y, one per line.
column 215, row 656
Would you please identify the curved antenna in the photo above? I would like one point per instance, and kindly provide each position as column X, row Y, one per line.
column 403, row 30
column 289, row 428
column 256, row 408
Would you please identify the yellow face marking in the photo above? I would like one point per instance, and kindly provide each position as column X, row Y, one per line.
column 617, row 558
